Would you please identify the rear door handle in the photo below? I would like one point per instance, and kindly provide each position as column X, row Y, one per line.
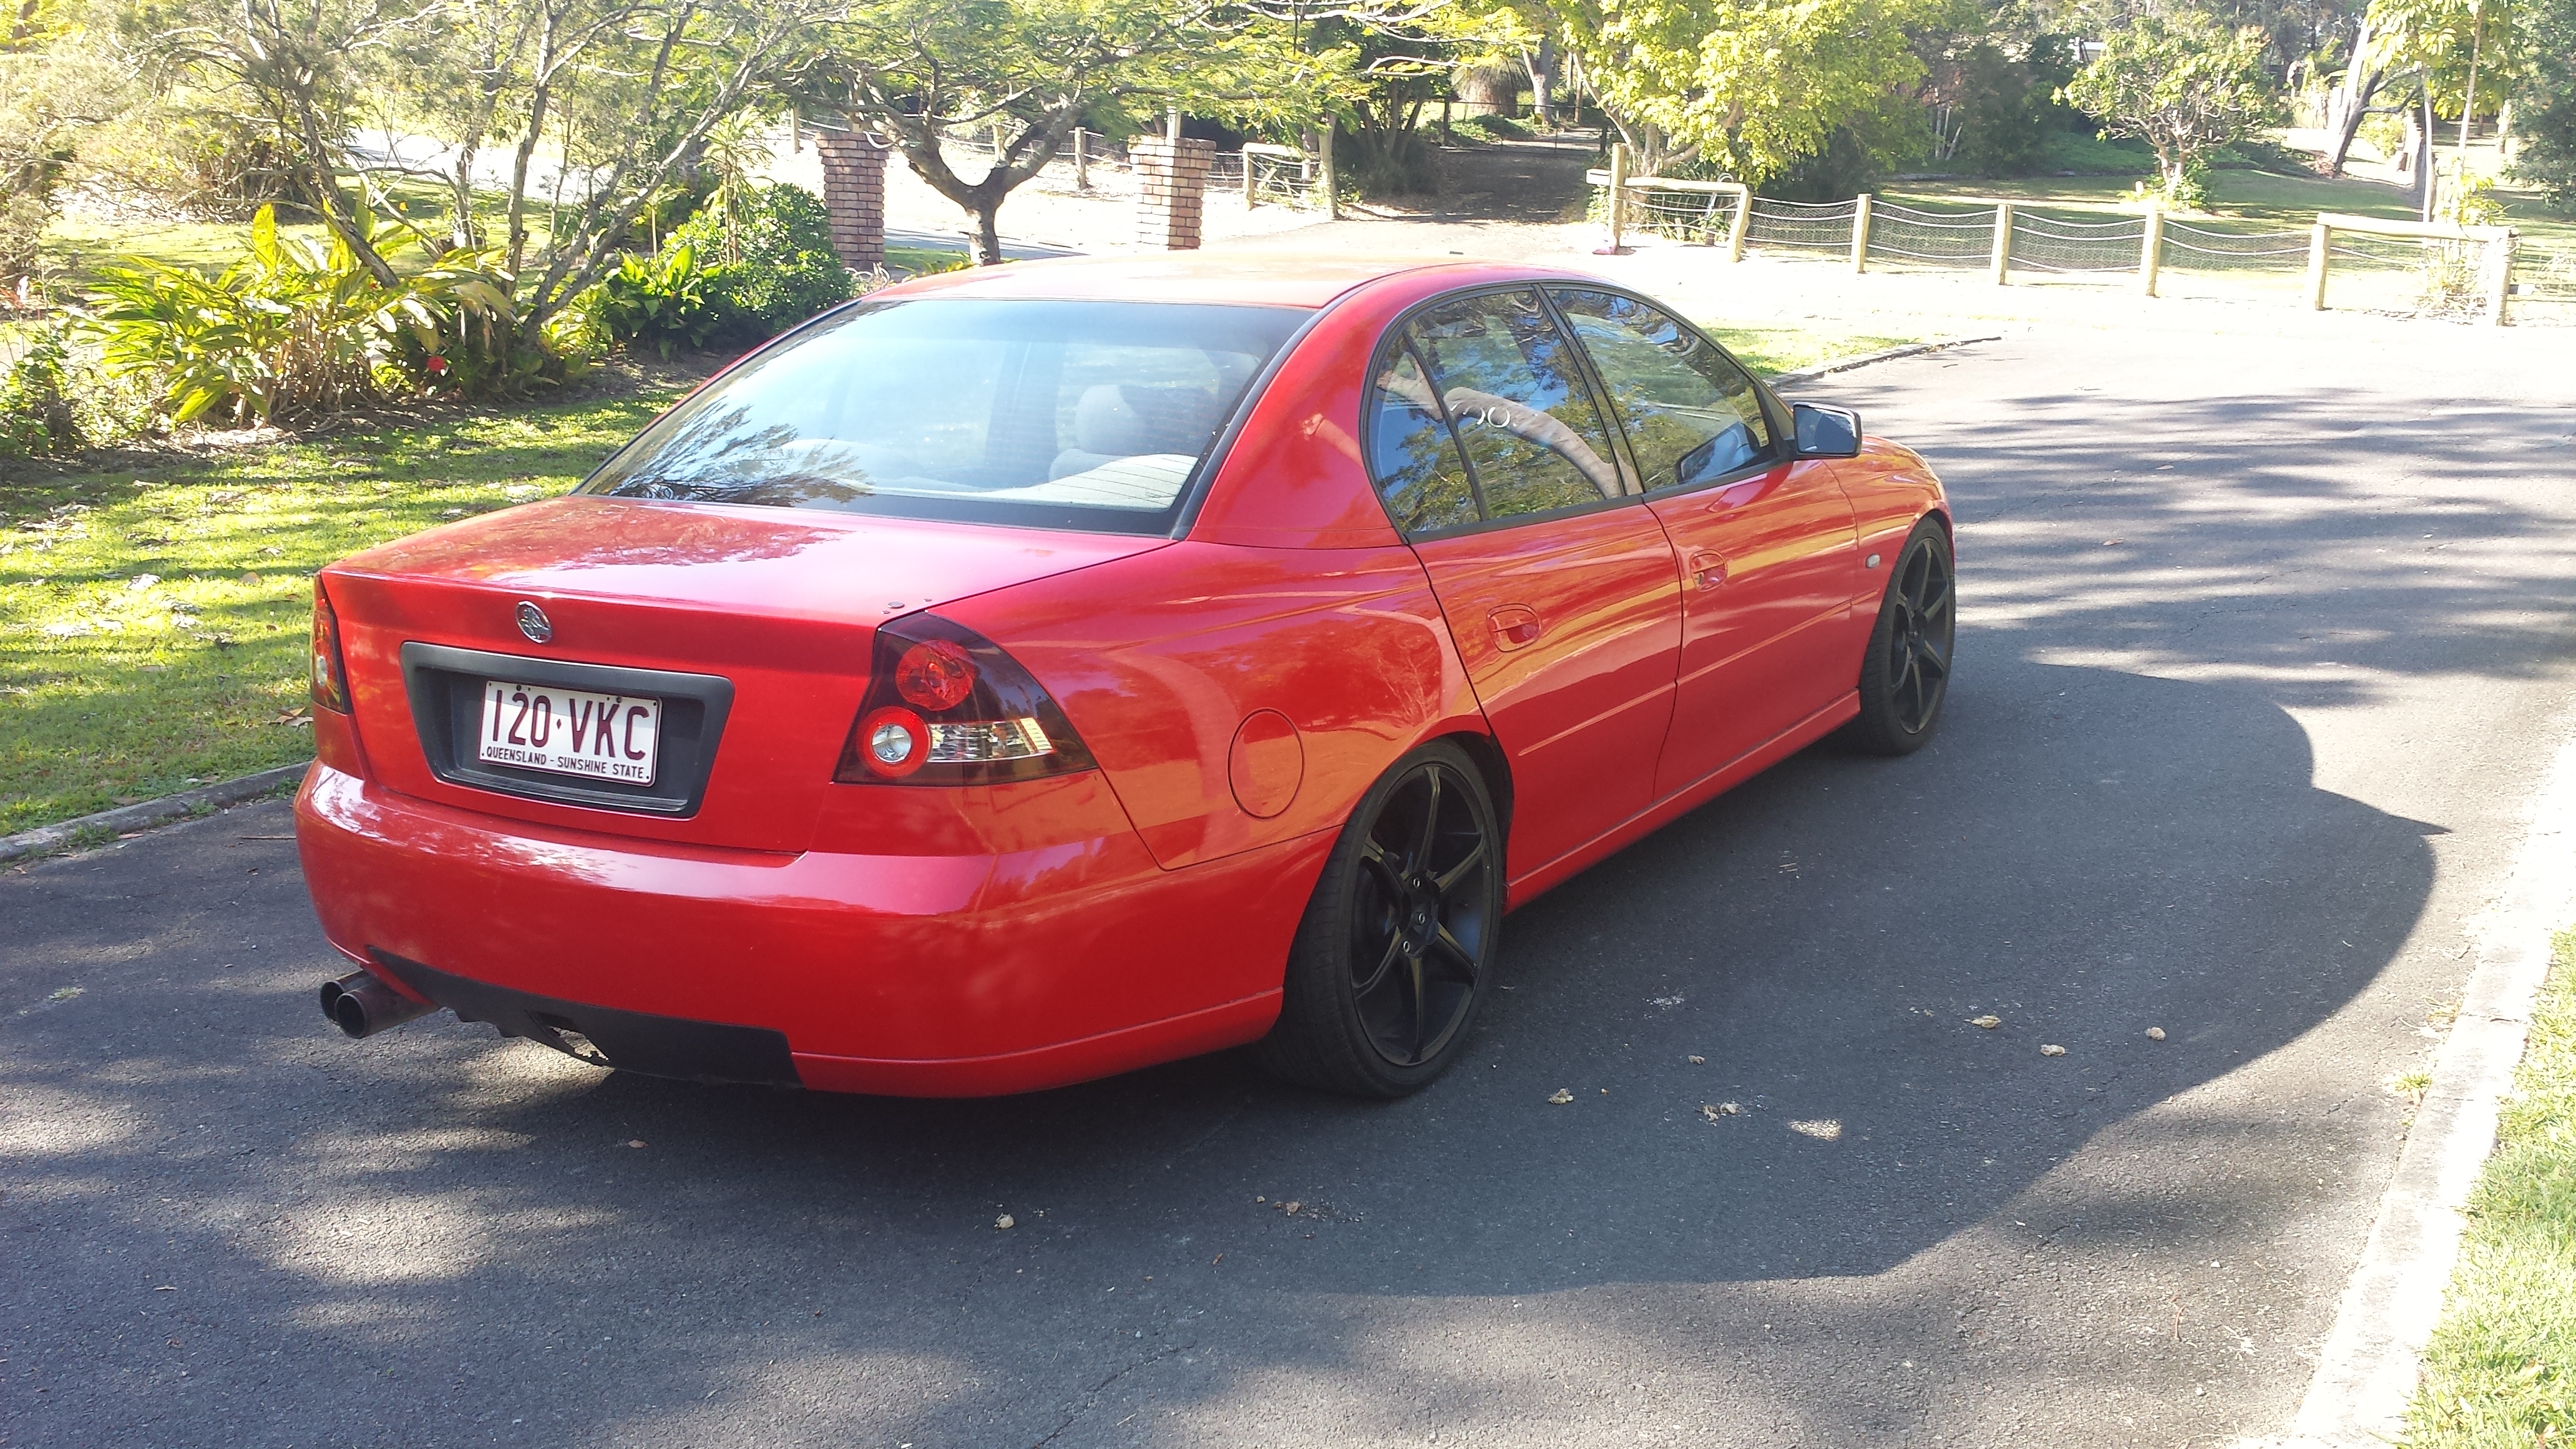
column 1513, row 626
column 1705, row 570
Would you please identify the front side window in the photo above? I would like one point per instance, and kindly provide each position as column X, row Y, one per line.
column 1517, row 399
column 1078, row 415
column 1691, row 414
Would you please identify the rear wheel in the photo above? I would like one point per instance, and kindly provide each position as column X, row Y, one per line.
column 1905, row 676
column 1392, row 956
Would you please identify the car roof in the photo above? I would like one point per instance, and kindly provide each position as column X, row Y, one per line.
column 1273, row 279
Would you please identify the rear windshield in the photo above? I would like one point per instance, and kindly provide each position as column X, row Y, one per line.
column 1074, row 415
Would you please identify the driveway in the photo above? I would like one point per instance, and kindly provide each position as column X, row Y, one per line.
column 2265, row 645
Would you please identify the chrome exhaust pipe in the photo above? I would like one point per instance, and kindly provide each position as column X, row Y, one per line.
column 363, row 1004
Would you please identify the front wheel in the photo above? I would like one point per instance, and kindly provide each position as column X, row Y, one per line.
column 1396, row 945
column 1905, row 676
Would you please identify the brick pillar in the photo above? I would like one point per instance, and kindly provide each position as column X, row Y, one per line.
column 854, row 195
column 1172, row 175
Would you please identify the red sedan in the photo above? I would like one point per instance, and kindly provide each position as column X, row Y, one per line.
column 1025, row 675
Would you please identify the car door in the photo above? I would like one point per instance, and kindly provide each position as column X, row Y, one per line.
column 1558, row 585
column 1768, row 559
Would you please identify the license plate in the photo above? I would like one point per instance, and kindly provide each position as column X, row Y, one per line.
column 570, row 731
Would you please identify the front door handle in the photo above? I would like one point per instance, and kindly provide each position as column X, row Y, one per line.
column 1513, row 626
column 1705, row 570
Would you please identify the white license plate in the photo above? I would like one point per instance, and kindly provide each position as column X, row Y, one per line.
column 570, row 731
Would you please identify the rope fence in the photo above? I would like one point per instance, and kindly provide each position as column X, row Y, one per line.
column 2466, row 273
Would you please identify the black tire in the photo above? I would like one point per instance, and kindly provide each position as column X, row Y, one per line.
column 1397, row 944
column 1905, row 676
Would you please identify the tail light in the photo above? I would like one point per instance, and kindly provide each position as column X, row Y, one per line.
column 330, row 677
column 946, row 706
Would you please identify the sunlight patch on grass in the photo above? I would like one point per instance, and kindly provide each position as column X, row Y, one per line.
column 153, row 620
column 2501, row 1368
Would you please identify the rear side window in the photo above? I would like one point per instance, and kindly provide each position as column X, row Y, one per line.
column 1690, row 413
column 1077, row 415
column 1412, row 454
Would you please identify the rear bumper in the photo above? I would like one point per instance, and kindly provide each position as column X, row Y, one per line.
column 929, row 975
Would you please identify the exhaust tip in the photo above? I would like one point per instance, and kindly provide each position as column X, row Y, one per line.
column 361, row 1004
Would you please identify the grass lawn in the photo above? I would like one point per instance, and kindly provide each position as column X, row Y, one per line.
column 2501, row 1368
column 154, row 613
column 1774, row 350
column 154, row 610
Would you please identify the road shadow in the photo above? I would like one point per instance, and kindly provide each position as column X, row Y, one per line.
column 1821, row 938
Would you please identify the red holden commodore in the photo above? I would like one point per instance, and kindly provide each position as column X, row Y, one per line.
column 1024, row 675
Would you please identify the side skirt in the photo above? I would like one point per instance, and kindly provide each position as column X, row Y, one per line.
column 1681, row 802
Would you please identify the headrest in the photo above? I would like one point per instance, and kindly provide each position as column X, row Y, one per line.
column 1124, row 418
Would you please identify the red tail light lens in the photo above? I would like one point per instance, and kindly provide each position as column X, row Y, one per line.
column 934, row 675
column 330, row 678
column 946, row 706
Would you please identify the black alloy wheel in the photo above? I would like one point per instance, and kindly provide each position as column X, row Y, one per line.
column 1398, row 941
column 1905, row 676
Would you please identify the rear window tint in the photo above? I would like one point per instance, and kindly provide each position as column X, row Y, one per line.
column 1075, row 415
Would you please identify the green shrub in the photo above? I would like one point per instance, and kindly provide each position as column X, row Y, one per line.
column 298, row 328
column 728, row 275
column 1490, row 128
column 53, row 401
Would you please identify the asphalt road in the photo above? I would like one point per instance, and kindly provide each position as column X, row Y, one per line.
column 2265, row 646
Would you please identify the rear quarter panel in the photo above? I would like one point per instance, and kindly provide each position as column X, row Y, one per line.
column 1159, row 659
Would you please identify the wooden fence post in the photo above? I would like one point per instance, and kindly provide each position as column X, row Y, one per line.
column 1743, row 223
column 1081, row 161
column 2001, row 260
column 1860, row 233
column 1618, row 192
column 2500, row 281
column 1324, row 159
column 1251, row 192
column 2151, row 250
column 2321, row 237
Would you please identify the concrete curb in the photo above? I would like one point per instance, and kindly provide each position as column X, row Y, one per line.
column 46, row 839
column 1911, row 349
column 2367, row 1371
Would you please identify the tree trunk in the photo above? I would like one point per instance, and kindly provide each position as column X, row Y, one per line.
column 2424, row 155
column 2349, row 101
column 2469, row 97
column 988, row 232
column 1542, row 70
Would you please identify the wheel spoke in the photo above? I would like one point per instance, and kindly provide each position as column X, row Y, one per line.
column 1377, row 977
column 1927, row 652
column 1448, row 880
column 1421, row 1009
column 1390, row 875
column 1430, row 824
column 1940, row 599
column 1465, row 958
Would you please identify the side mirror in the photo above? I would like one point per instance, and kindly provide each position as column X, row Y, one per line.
column 1826, row 432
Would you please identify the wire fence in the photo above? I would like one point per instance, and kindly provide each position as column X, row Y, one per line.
column 2048, row 244
column 1278, row 180
column 1800, row 226
column 1944, row 240
column 2368, row 266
